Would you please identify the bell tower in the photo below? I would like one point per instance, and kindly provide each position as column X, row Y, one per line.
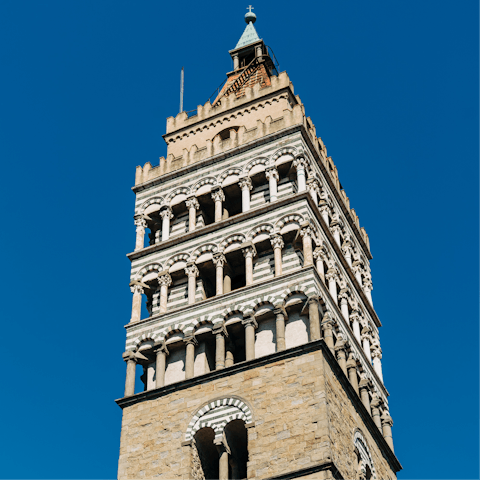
column 252, row 321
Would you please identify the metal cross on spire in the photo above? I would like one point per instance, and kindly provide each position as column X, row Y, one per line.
column 250, row 8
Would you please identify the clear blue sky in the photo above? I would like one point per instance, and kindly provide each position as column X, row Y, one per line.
column 392, row 88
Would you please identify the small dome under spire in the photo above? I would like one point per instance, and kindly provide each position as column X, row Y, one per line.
column 250, row 16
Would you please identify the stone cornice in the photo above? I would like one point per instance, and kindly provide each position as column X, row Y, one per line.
column 303, row 472
column 267, row 360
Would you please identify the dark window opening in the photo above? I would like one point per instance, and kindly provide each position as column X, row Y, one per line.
column 207, row 208
column 236, row 438
column 207, row 452
column 235, row 347
column 234, row 271
column 207, row 278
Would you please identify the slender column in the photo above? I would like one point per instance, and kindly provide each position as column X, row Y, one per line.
column 190, row 343
column 218, row 197
column 367, row 288
column 306, row 232
column 319, row 255
column 220, row 333
column 164, row 280
column 314, row 188
column 236, row 62
column 352, row 372
column 272, row 177
column 344, row 304
column 245, row 185
column 300, row 164
column 137, row 291
column 355, row 319
column 336, row 229
column 331, row 278
column 314, row 318
column 161, row 352
column 166, row 215
column 347, row 249
column 129, row 357
column 141, row 225
column 230, row 354
column 327, row 325
column 277, row 244
column 192, row 273
column 364, row 386
column 223, row 453
column 227, row 279
column 387, row 424
column 341, row 356
column 193, row 206
column 357, row 270
column 249, row 252
column 250, row 325
column 280, row 315
column 325, row 212
column 219, row 261
column 375, row 404
column 366, row 336
column 377, row 361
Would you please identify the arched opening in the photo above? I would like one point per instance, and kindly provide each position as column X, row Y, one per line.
column 205, row 454
column 235, row 345
column 236, row 438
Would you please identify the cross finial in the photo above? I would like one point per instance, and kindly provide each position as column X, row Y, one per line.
column 250, row 8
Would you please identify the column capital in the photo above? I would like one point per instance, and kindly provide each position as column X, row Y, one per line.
column 328, row 321
column 367, row 283
column 300, row 162
column 220, row 329
column 245, row 183
column 129, row 355
column 277, row 240
column 376, row 402
column 166, row 212
column 320, row 252
column 313, row 183
column 280, row 310
column 377, row 353
column 190, row 340
column 140, row 221
column 164, row 279
column 306, row 229
column 161, row 347
column 351, row 362
column 218, row 195
column 331, row 274
column 219, row 259
column 191, row 270
column 340, row 344
column 355, row 315
column 272, row 172
column 364, row 382
column 136, row 288
column 249, row 249
column 192, row 202
column 386, row 418
column 250, row 320
column 313, row 299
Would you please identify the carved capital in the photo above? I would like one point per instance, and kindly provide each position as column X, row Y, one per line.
column 306, row 229
column 300, row 163
column 247, row 321
column 190, row 340
column 191, row 270
column 320, row 252
column 166, row 213
column 331, row 274
column 376, row 402
column 328, row 321
column 218, row 195
column 272, row 172
column 136, row 289
column 377, row 353
column 280, row 310
column 245, row 183
column 220, row 329
column 386, row 418
column 351, row 362
column 140, row 222
column 164, row 279
column 192, row 202
column 129, row 355
column 277, row 241
column 219, row 260
column 160, row 347
column 249, row 249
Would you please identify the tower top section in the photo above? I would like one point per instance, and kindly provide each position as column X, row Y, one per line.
column 249, row 35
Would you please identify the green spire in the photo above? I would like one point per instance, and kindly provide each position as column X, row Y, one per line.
column 250, row 35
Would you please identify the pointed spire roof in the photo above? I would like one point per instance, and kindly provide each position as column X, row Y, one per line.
column 250, row 35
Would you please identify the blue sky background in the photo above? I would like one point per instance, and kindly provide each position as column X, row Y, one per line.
column 392, row 88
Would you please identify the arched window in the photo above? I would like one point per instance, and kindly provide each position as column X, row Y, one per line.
column 365, row 467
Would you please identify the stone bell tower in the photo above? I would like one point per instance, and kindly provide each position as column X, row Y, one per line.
column 252, row 322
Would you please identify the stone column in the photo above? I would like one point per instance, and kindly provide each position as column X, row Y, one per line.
column 327, row 325
column 352, row 372
column 331, row 278
column 357, row 270
column 387, row 424
column 341, row 356
column 137, row 291
column 300, row 164
column 219, row 261
column 375, row 404
column 141, row 225
column 367, row 288
column 129, row 357
column 192, row 273
column 344, row 304
column 166, row 215
column 313, row 188
column 249, row 252
column 355, row 319
column 190, row 343
column 314, row 318
column 336, row 229
column 246, row 185
column 347, row 249
column 366, row 337
column 218, row 197
column 236, row 62
column 280, row 316
column 377, row 361
column 319, row 255
column 277, row 244
column 222, row 458
column 193, row 206
column 325, row 212
column 250, row 325
column 164, row 280
column 306, row 232
column 272, row 177
column 229, row 355
column 364, row 387
column 227, row 279
column 220, row 333
column 161, row 352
